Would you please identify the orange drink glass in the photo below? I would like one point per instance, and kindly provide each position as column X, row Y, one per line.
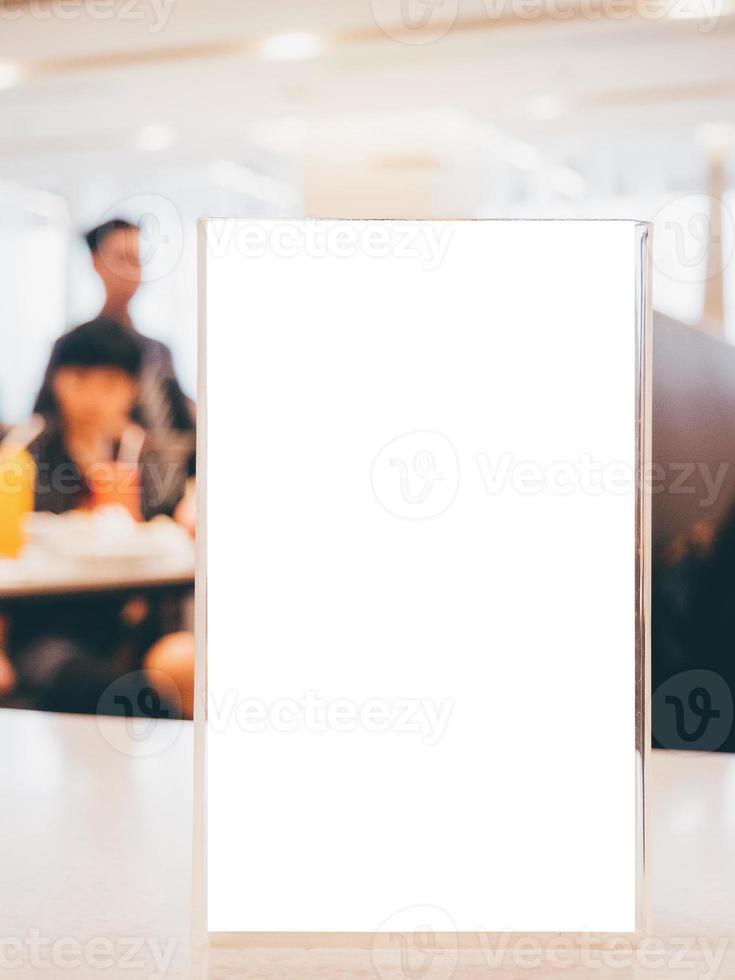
column 116, row 484
column 17, row 483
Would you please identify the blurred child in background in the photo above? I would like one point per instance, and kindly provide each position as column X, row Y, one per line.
column 67, row 650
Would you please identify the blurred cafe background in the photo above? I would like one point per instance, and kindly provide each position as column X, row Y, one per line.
column 136, row 117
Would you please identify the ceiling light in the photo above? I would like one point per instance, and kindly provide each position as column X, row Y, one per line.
column 716, row 136
column 545, row 107
column 291, row 47
column 154, row 138
column 10, row 74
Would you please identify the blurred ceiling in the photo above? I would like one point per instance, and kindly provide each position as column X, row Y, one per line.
column 612, row 104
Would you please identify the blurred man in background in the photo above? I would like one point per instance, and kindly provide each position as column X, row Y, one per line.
column 162, row 409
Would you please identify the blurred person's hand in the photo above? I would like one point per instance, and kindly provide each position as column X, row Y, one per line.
column 7, row 675
column 186, row 511
column 170, row 667
column 7, row 671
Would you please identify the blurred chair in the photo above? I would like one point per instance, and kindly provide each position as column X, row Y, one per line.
column 693, row 429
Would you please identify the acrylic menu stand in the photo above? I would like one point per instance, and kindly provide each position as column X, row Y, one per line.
column 390, row 414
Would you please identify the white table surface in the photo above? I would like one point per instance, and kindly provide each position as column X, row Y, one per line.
column 95, row 871
column 97, row 553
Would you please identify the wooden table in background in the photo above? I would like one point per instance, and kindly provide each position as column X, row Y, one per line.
column 96, row 866
column 25, row 580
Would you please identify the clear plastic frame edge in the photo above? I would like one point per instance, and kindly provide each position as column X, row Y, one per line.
column 202, row 934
